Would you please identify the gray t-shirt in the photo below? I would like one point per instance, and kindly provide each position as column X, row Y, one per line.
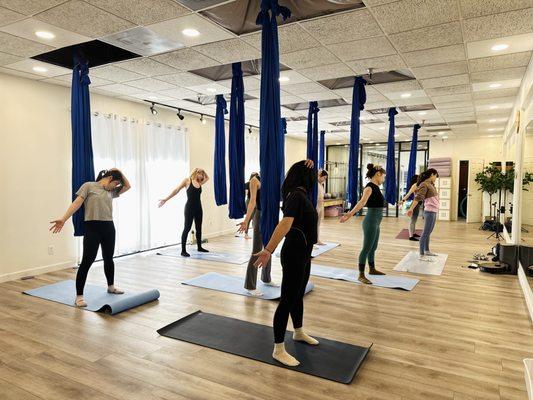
column 98, row 202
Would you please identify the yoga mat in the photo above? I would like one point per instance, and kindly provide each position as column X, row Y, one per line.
column 211, row 256
column 317, row 250
column 233, row 284
column 404, row 233
column 331, row 360
column 96, row 297
column 411, row 263
column 350, row 275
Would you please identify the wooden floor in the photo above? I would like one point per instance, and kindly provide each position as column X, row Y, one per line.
column 461, row 335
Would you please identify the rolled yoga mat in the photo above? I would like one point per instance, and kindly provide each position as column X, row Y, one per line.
column 350, row 275
column 317, row 250
column 211, row 256
column 411, row 263
column 331, row 360
column 96, row 297
column 404, row 233
column 233, row 284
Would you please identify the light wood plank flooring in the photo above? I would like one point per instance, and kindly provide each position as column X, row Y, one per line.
column 460, row 336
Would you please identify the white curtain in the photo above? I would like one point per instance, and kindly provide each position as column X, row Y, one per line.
column 251, row 151
column 154, row 158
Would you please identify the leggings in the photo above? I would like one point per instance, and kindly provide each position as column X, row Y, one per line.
column 320, row 211
column 251, row 271
column 414, row 218
column 97, row 233
column 192, row 214
column 296, row 265
column 430, row 217
column 371, row 237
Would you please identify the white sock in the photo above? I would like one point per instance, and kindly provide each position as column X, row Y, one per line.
column 271, row 283
column 254, row 292
column 300, row 336
column 429, row 253
column 282, row 356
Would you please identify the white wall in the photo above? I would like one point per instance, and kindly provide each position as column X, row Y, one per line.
column 35, row 169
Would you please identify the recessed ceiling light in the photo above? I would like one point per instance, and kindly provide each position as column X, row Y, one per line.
column 396, row 135
column 211, row 90
column 492, row 120
column 491, row 129
column 190, row 32
column 45, row 35
column 284, row 79
column 40, row 69
column 422, row 113
column 338, row 143
column 442, row 133
column 493, row 107
column 445, row 137
column 499, row 47
column 405, row 95
column 495, row 85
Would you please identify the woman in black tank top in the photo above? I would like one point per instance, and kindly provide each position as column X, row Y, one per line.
column 193, row 207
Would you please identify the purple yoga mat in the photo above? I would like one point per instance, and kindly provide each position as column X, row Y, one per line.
column 404, row 233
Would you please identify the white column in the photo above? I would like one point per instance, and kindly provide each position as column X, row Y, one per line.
column 517, row 195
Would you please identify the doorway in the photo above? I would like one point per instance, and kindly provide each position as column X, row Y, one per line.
column 462, row 201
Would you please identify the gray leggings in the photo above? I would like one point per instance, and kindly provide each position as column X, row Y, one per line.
column 414, row 218
column 251, row 271
column 430, row 217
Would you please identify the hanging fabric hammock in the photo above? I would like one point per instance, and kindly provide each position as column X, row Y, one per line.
column 322, row 150
column 312, row 142
column 219, row 167
column 283, row 132
column 411, row 171
column 358, row 104
column 390, row 180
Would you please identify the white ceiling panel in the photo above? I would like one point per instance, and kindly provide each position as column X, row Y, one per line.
column 146, row 66
column 498, row 25
column 8, row 16
column 184, row 79
column 290, row 99
column 440, row 91
column 229, row 51
column 379, row 64
column 516, row 44
column 95, row 81
column 400, row 86
column 179, row 93
column 328, row 95
column 488, row 85
column 114, row 74
column 30, row 7
column 21, row 47
column 498, row 75
column 440, row 70
column 324, row 72
column 185, row 60
column 491, row 94
column 38, row 68
column 428, row 37
column 438, row 55
column 210, row 89
column 8, row 58
column 119, row 88
column 290, row 77
column 445, row 81
column 478, row 8
column 450, row 98
column 308, row 58
column 304, row 88
column 361, row 49
column 150, row 84
column 292, row 37
column 499, row 62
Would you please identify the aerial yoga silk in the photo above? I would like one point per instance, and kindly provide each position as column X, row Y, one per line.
column 390, row 181
column 322, row 150
column 312, row 142
column 358, row 104
column 411, row 171
column 219, row 168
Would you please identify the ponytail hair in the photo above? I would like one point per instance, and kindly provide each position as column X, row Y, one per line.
column 426, row 174
column 322, row 172
column 413, row 180
column 114, row 174
column 373, row 170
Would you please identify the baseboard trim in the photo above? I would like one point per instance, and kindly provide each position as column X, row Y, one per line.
column 37, row 271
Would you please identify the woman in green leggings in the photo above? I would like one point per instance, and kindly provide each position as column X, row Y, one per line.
column 374, row 201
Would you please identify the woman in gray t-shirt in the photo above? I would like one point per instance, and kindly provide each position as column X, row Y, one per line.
column 97, row 199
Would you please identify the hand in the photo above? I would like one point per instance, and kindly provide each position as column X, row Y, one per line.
column 309, row 164
column 161, row 203
column 243, row 227
column 57, row 225
column 262, row 258
column 409, row 213
column 401, row 202
column 345, row 218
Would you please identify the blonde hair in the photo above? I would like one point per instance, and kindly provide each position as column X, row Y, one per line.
column 195, row 173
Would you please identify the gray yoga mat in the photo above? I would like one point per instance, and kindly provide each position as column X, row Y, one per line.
column 350, row 275
column 331, row 360
column 211, row 256
column 411, row 263
column 317, row 250
column 233, row 284
column 96, row 297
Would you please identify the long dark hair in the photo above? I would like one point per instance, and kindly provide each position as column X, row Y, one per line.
column 114, row 174
column 372, row 170
column 426, row 174
column 413, row 180
column 254, row 175
column 299, row 175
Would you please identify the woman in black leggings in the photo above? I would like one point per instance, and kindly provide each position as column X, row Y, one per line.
column 193, row 208
column 97, row 197
column 299, row 227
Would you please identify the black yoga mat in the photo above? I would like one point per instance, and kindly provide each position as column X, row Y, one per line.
column 331, row 360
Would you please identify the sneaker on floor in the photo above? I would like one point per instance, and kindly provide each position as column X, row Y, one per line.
column 271, row 283
column 414, row 239
column 429, row 253
column 416, row 235
column 254, row 293
column 426, row 259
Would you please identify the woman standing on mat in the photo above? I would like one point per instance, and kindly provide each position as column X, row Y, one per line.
column 299, row 227
column 97, row 197
column 253, row 213
column 193, row 207
column 322, row 176
column 413, row 186
column 373, row 199
column 427, row 193
column 247, row 190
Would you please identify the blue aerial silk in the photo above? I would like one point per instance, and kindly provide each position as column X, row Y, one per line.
column 237, row 204
column 312, row 142
column 283, row 132
column 269, row 116
column 82, row 148
column 219, row 168
column 358, row 104
column 391, row 187
column 322, row 150
column 411, row 171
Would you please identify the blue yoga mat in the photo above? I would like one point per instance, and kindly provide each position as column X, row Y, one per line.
column 96, row 297
column 233, row 284
column 350, row 275
column 211, row 256
column 317, row 250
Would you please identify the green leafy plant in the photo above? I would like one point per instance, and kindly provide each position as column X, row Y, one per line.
column 490, row 180
column 508, row 182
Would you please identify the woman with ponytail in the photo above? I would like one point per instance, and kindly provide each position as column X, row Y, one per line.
column 374, row 201
column 97, row 197
column 413, row 186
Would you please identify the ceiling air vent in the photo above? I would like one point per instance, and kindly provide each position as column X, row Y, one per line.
column 224, row 72
column 418, row 107
column 462, row 123
column 206, row 100
column 377, row 77
column 321, row 104
column 141, row 41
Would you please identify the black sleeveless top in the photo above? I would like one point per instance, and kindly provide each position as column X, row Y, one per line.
column 376, row 199
column 298, row 206
column 193, row 196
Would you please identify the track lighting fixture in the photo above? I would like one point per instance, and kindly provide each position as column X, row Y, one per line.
column 180, row 115
column 250, row 129
column 202, row 119
column 153, row 110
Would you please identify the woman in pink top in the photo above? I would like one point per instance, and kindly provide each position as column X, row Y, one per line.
column 428, row 194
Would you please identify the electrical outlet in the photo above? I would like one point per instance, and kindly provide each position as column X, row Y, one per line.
column 51, row 250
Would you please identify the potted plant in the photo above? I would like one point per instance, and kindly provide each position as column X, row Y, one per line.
column 490, row 181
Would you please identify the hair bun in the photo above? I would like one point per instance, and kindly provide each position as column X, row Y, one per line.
column 369, row 166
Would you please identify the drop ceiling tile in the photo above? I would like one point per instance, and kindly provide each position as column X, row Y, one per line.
column 323, row 72
column 290, row 99
column 361, row 49
column 119, row 88
column 372, row 95
column 434, row 71
column 8, row 59
column 292, row 37
column 499, row 62
column 95, row 81
column 186, row 60
column 141, row 41
column 328, row 95
column 498, row 74
column 184, row 79
column 429, row 37
column 30, row 7
column 379, row 64
column 400, row 86
column 459, row 89
column 478, row 8
column 150, row 84
column 308, row 58
column 142, row 12
column 445, row 81
column 19, row 73
column 28, row 66
column 8, row 17
column 179, row 93
column 438, row 55
column 451, row 98
column 83, row 18
column 114, row 74
column 517, row 44
column 491, row 94
column 411, row 101
column 509, row 100
column 210, row 89
column 173, row 29
column 412, row 14
column 21, row 47
column 455, row 105
column 488, row 85
column 292, row 76
column 229, row 51
column 341, row 27
column 378, row 104
column 498, row 25
column 303, row 88
column 146, row 66
column 250, row 83
column 151, row 96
